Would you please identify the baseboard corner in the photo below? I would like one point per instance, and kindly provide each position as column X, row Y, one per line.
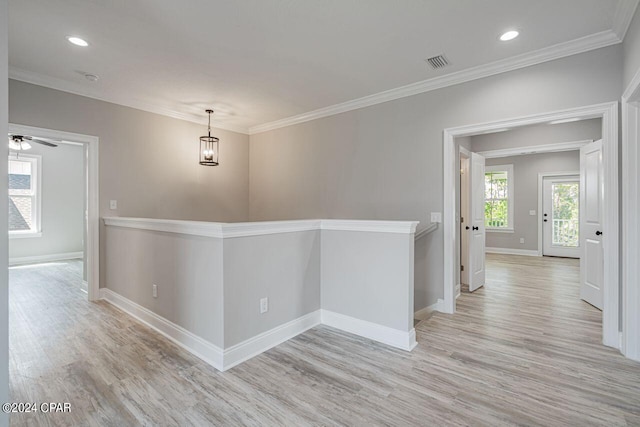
column 258, row 344
column 373, row 331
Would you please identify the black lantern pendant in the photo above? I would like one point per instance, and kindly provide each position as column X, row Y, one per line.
column 209, row 147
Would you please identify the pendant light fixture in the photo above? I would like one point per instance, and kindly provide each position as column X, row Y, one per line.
column 209, row 146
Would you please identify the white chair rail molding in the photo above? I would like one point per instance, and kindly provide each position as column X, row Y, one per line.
column 229, row 291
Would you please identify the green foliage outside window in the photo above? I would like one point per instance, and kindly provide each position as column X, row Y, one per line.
column 566, row 214
column 496, row 207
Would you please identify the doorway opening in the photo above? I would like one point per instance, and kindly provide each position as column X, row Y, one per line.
column 603, row 243
column 560, row 228
column 53, row 209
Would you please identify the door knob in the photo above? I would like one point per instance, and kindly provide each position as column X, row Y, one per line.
column 475, row 228
column 598, row 233
column 545, row 214
column 467, row 227
column 545, row 220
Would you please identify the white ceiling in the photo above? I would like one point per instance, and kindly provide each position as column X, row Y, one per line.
column 257, row 61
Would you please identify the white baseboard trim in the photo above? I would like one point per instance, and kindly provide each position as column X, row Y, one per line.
column 45, row 258
column 203, row 349
column 226, row 359
column 393, row 337
column 247, row 349
column 509, row 251
column 425, row 312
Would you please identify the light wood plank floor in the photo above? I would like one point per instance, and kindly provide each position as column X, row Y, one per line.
column 524, row 350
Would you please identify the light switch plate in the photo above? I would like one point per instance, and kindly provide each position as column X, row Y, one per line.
column 532, row 213
column 436, row 217
column 113, row 204
column 522, row 240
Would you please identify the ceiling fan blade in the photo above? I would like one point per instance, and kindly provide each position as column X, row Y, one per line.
column 43, row 142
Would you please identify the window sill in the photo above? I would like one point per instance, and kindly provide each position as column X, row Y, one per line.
column 500, row 230
column 24, row 235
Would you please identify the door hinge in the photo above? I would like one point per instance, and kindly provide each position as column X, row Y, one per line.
column 462, row 219
column 462, row 268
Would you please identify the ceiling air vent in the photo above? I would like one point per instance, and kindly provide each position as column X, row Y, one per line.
column 438, row 62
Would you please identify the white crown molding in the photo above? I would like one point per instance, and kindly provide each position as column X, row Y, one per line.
column 560, row 50
column 622, row 19
column 623, row 16
column 535, row 149
column 77, row 89
column 243, row 229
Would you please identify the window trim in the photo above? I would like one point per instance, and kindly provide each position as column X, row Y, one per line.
column 508, row 168
column 36, row 179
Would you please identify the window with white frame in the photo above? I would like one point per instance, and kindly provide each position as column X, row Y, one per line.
column 498, row 208
column 24, row 195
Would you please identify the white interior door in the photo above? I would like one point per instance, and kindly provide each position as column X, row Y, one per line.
column 477, row 232
column 591, row 207
column 561, row 216
column 465, row 221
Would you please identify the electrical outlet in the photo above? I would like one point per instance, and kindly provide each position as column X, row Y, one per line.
column 113, row 204
column 264, row 305
column 436, row 217
column 155, row 291
column 522, row 240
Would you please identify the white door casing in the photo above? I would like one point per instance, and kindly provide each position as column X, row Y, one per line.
column 591, row 225
column 549, row 221
column 92, row 205
column 608, row 111
column 630, row 226
column 477, row 232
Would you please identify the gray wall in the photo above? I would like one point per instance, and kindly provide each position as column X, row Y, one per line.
column 62, row 209
column 283, row 267
column 148, row 162
column 187, row 270
column 385, row 161
column 368, row 276
column 426, row 250
column 4, row 294
column 539, row 135
column 212, row 286
column 631, row 47
column 526, row 169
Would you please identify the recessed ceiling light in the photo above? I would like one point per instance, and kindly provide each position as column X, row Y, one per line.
column 509, row 35
column 77, row 41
